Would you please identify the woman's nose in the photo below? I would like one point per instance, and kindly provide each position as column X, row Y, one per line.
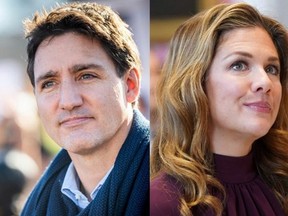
column 261, row 81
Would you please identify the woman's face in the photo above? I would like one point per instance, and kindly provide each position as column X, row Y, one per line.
column 243, row 88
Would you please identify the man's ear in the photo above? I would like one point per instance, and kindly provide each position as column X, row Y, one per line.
column 132, row 81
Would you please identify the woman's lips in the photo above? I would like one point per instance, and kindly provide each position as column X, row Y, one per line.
column 259, row 106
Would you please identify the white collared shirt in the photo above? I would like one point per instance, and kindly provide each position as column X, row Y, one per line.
column 71, row 187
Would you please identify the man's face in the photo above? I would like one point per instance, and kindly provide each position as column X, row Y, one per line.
column 82, row 102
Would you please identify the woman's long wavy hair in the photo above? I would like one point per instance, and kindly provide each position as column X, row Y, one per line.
column 181, row 145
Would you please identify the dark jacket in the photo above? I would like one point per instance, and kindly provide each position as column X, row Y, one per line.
column 125, row 192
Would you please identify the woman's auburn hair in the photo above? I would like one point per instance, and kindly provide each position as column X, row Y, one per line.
column 181, row 145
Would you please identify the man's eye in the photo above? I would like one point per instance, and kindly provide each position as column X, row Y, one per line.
column 239, row 66
column 87, row 76
column 47, row 84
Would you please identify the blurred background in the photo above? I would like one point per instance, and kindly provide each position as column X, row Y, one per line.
column 167, row 15
column 25, row 148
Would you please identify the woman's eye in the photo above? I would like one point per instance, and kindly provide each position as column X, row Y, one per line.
column 274, row 70
column 239, row 66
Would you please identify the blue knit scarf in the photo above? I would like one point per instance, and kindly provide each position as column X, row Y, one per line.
column 125, row 192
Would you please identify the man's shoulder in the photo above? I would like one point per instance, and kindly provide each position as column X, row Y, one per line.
column 140, row 120
column 58, row 164
column 140, row 128
column 54, row 173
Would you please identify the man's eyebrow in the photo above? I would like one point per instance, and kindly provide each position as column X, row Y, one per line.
column 79, row 67
column 74, row 69
column 47, row 75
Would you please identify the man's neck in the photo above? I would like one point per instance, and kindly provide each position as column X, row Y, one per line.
column 92, row 167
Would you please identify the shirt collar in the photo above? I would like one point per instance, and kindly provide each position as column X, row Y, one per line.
column 71, row 187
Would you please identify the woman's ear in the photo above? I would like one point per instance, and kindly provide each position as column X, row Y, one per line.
column 132, row 80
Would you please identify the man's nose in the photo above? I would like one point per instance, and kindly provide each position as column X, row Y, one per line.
column 70, row 96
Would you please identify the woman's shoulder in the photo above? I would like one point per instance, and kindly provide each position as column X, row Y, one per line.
column 164, row 196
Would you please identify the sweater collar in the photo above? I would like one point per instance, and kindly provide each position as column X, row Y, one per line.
column 235, row 169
